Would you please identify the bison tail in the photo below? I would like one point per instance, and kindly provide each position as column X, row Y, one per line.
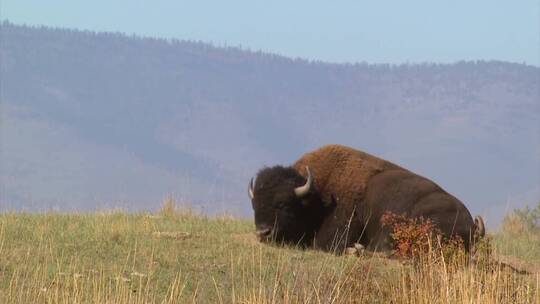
column 480, row 231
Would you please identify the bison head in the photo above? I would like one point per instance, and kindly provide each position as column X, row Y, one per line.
column 287, row 208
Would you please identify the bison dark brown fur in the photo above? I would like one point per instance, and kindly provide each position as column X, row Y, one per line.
column 343, row 204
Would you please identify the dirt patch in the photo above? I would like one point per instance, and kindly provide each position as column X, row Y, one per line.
column 175, row 235
column 517, row 264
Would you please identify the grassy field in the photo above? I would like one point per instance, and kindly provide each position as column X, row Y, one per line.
column 180, row 257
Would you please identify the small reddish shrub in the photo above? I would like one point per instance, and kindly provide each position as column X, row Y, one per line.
column 416, row 237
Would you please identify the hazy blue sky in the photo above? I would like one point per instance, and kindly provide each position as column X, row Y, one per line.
column 337, row 31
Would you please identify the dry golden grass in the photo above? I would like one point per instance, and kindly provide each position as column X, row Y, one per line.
column 116, row 257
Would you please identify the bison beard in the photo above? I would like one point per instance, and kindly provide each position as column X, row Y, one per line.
column 335, row 196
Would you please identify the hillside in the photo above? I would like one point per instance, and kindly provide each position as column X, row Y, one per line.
column 93, row 120
column 176, row 256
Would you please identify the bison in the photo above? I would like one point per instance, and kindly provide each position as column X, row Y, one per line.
column 335, row 196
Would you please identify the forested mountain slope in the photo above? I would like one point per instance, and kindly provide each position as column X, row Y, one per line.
column 102, row 119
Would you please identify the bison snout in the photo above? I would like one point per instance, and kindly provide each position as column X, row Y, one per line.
column 263, row 233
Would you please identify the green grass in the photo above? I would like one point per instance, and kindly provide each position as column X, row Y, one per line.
column 181, row 257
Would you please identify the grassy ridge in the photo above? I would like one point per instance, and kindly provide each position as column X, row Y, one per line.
column 181, row 257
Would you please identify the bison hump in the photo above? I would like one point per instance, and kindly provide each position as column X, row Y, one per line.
column 341, row 172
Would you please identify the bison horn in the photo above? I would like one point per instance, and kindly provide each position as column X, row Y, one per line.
column 303, row 190
column 250, row 189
